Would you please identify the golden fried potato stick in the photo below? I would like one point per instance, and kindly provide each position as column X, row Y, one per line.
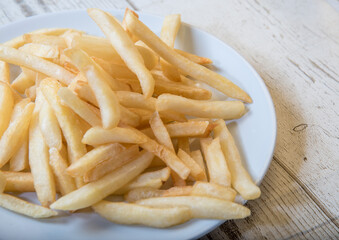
column 24, row 80
column 206, row 189
column 41, row 50
column 241, row 180
column 19, row 181
column 197, row 156
column 4, row 72
column 45, row 39
column 129, row 213
column 19, row 161
column 192, row 69
column 6, row 106
column 125, row 47
column 194, row 58
column 17, row 57
column 196, row 171
column 2, row 182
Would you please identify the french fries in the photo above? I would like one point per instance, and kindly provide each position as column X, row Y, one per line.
column 196, row 171
column 19, row 181
column 2, row 182
column 45, row 39
column 204, row 109
column 25, row 80
column 127, row 213
column 213, row 190
column 188, row 129
column 241, row 180
column 4, row 72
column 6, row 106
column 19, row 161
column 41, row 50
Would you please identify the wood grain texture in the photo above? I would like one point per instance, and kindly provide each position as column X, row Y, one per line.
column 294, row 46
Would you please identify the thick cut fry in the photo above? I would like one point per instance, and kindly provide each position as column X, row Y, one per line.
column 59, row 165
column 196, row 171
column 213, row 190
column 78, row 106
column 4, row 72
column 125, row 47
column 49, row 127
column 39, row 161
column 25, row 80
column 45, row 39
column 136, row 100
column 19, row 182
column 184, row 144
column 216, row 163
column 197, row 156
column 241, row 180
column 107, row 100
column 17, row 57
column 142, row 193
column 19, row 161
column 6, row 106
column 13, row 133
column 202, row 207
column 194, row 58
column 94, row 157
column 41, row 50
column 127, row 213
column 68, row 121
column 25, row 208
column 2, row 182
column 177, row 191
column 93, row 192
column 206, row 109
column 195, row 70
column 160, row 131
column 111, row 164
column 188, row 129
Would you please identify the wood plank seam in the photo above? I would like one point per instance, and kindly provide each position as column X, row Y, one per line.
column 308, row 192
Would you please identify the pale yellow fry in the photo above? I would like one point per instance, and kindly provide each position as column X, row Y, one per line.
column 197, row 156
column 194, row 58
column 93, row 192
column 2, row 182
column 19, row 182
column 198, row 108
column 218, row 170
column 184, row 144
column 142, row 193
column 17, row 57
column 79, row 106
column 196, row 171
column 45, row 39
column 25, row 208
column 150, row 58
column 213, row 190
column 177, row 191
column 23, row 81
column 202, row 207
column 123, row 24
column 41, row 50
column 160, row 131
column 125, row 47
column 149, row 179
column 85, row 92
column 111, row 164
column 195, row 70
column 115, row 70
column 59, row 165
column 98, row 135
column 94, row 157
column 49, row 127
column 107, row 100
column 31, row 92
column 13, row 134
column 4, row 72
column 68, row 121
column 241, row 180
column 127, row 213
column 187, row 129
column 19, row 161
column 6, row 106
column 136, row 100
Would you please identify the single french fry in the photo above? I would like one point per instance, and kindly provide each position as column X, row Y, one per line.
column 197, row 71
column 98, row 136
column 6, row 106
column 45, row 39
column 196, row 171
column 127, row 213
column 150, row 58
column 84, row 91
column 94, row 157
column 25, row 208
column 19, row 181
column 194, row 58
column 17, row 57
column 115, row 70
column 218, row 170
column 41, row 50
column 127, row 51
column 142, row 193
column 19, row 161
column 31, row 92
column 23, row 81
column 107, row 100
column 177, row 191
column 123, row 24
column 111, row 164
column 160, row 131
column 136, row 100
column 202, row 207
column 93, row 192
column 4, row 72
column 206, row 109
column 187, row 129
column 68, row 121
column 19, row 123
column 49, row 127
column 206, row 189
column 78, row 106
column 197, row 156
column 59, row 165
column 241, row 180
column 2, row 182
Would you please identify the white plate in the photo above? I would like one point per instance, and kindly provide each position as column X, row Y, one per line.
column 255, row 134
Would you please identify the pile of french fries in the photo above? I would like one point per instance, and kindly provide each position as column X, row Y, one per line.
column 89, row 117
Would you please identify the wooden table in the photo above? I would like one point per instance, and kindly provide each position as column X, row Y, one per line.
column 294, row 46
